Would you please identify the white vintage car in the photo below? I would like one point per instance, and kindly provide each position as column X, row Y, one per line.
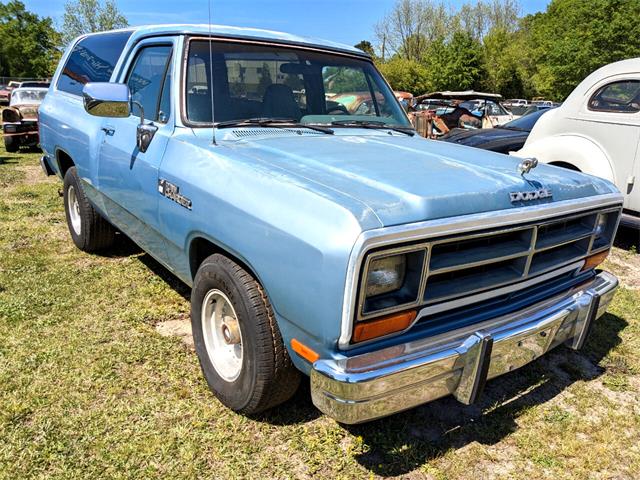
column 597, row 131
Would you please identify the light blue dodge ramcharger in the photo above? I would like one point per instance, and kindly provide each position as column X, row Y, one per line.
column 317, row 237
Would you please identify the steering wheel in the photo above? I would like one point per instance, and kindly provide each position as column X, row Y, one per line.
column 338, row 110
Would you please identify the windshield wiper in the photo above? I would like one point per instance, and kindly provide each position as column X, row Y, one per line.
column 271, row 122
column 373, row 124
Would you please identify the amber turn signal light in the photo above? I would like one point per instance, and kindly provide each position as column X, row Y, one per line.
column 304, row 351
column 383, row 326
column 594, row 260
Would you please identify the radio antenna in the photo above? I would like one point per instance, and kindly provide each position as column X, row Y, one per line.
column 213, row 128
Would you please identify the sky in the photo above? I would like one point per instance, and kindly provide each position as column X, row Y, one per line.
column 344, row 21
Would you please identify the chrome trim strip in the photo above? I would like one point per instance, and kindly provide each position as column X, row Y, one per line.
column 416, row 232
column 479, row 297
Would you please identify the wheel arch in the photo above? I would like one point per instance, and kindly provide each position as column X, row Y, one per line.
column 200, row 246
column 64, row 161
column 581, row 153
column 566, row 165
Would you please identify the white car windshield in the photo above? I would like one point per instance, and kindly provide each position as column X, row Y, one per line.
column 27, row 96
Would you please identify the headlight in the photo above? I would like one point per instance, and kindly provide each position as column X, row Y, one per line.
column 10, row 115
column 385, row 275
column 391, row 281
column 601, row 226
column 605, row 229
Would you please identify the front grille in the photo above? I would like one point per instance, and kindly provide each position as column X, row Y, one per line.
column 466, row 265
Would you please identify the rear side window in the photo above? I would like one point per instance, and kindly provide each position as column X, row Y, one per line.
column 623, row 96
column 92, row 60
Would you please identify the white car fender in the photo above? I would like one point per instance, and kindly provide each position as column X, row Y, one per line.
column 576, row 150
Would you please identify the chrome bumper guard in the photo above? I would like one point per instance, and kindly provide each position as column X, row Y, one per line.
column 383, row 382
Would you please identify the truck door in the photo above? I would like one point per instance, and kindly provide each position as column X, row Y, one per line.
column 127, row 176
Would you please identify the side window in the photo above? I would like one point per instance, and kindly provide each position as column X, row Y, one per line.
column 495, row 109
column 92, row 60
column 146, row 80
column 623, row 96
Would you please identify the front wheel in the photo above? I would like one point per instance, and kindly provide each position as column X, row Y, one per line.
column 237, row 339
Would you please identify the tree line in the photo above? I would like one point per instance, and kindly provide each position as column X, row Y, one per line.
column 30, row 45
column 420, row 45
column 423, row 45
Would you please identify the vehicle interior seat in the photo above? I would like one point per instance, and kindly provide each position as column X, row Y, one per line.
column 279, row 102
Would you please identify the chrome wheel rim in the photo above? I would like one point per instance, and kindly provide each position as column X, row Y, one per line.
column 73, row 206
column 222, row 335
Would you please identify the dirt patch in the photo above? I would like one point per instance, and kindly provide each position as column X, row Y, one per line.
column 34, row 174
column 180, row 327
column 627, row 267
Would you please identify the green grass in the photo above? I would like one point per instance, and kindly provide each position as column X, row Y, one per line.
column 89, row 389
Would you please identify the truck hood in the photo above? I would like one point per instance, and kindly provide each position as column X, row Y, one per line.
column 410, row 179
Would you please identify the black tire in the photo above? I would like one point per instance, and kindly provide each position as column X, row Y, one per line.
column 10, row 145
column 95, row 233
column 267, row 376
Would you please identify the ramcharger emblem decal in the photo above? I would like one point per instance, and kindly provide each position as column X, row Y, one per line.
column 172, row 192
column 532, row 195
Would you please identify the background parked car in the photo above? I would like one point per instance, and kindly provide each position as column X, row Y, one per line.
column 355, row 103
column 504, row 138
column 20, row 119
column 521, row 111
column 5, row 93
column 597, row 131
column 439, row 112
column 34, row 84
column 516, row 102
column 406, row 99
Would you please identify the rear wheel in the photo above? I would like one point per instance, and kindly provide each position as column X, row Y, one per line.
column 237, row 339
column 89, row 231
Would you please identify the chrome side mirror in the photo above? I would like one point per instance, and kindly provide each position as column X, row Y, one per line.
column 103, row 99
column 145, row 131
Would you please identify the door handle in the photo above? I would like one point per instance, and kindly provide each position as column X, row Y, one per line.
column 109, row 131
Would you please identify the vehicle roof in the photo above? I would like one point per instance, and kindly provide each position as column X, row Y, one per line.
column 461, row 95
column 576, row 98
column 227, row 31
column 623, row 66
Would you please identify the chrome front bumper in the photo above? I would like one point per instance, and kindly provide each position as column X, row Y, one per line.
column 380, row 383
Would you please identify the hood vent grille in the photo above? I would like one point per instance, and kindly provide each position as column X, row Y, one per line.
column 272, row 132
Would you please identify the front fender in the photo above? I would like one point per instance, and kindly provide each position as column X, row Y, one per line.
column 581, row 152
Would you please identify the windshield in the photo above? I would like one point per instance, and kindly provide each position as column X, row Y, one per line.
column 27, row 97
column 254, row 81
